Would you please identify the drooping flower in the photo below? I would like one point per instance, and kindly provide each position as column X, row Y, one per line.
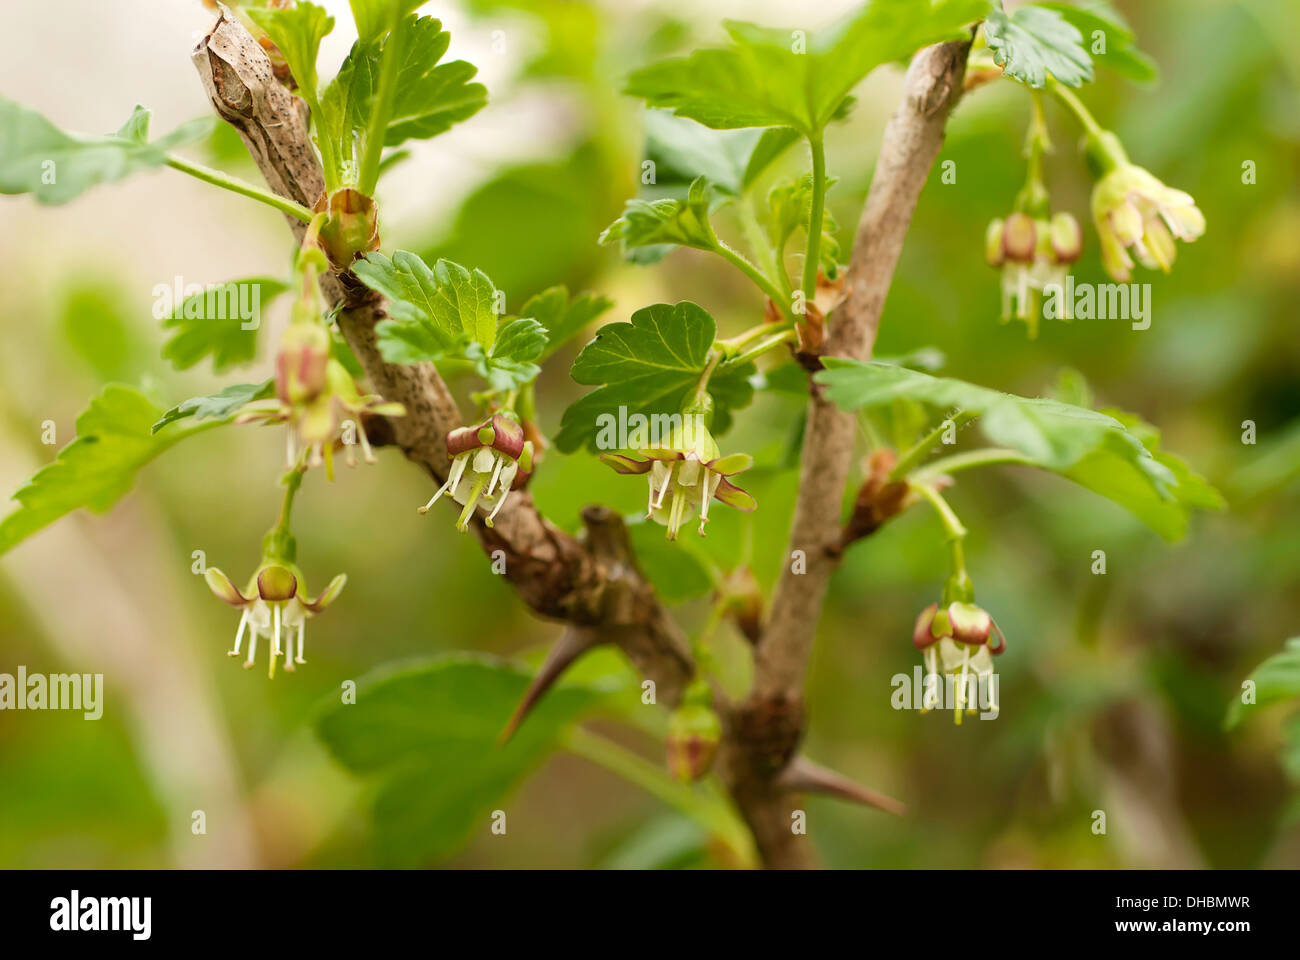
column 316, row 397
column 957, row 640
column 488, row 460
column 1136, row 213
column 1033, row 254
column 274, row 605
column 687, row 464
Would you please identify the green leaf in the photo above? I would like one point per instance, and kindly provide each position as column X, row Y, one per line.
column 650, row 223
column 649, row 366
column 434, row 311
column 771, row 145
column 431, row 97
column 217, row 406
column 731, row 160
column 789, row 209
column 781, row 78
column 297, row 31
column 428, row 733
column 1091, row 448
column 55, row 166
column 1276, row 679
column 563, row 318
column 1275, row 466
column 211, row 323
column 1120, row 52
column 1033, row 42
column 374, row 17
column 677, row 573
column 512, row 360
column 114, row 440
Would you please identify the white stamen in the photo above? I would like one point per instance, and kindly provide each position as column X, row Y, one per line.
column 288, row 648
column 239, row 634
column 252, row 649
column 275, row 620
column 501, row 502
column 302, row 632
column 496, row 475
column 366, row 453
column 453, row 480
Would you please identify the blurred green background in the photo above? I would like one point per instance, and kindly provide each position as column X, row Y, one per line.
column 1113, row 688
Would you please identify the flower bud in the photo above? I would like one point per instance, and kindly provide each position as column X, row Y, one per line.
column 1019, row 238
column 1067, row 238
column 694, row 731
column 993, row 243
column 351, row 229
column 301, row 366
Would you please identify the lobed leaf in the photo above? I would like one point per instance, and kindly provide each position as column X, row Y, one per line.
column 224, row 338
column 783, row 78
column 434, row 311
column 216, row 406
column 648, row 366
column 56, row 166
column 562, row 317
column 666, row 223
column 115, row 438
column 1034, row 42
column 428, row 732
column 1121, row 461
column 1121, row 53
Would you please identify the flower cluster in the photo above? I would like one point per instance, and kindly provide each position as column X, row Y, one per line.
column 1033, row 254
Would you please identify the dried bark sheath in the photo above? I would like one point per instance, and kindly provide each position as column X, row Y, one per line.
column 594, row 583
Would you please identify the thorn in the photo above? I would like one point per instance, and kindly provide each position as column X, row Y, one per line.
column 807, row 777
column 573, row 643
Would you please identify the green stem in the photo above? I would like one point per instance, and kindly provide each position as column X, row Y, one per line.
column 756, row 275
column 702, row 385
column 382, row 109
column 954, row 530
column 292, row 481
column 758, row 332
column 241, row 187
column 1076, row 107
column 785, row 336
column 278, row 544
column 974, row 458
column 952, row 524
column 918, row 453
column 712, row 815
column 813, row 255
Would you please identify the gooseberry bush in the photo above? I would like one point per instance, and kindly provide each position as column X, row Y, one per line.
column 376, row 334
